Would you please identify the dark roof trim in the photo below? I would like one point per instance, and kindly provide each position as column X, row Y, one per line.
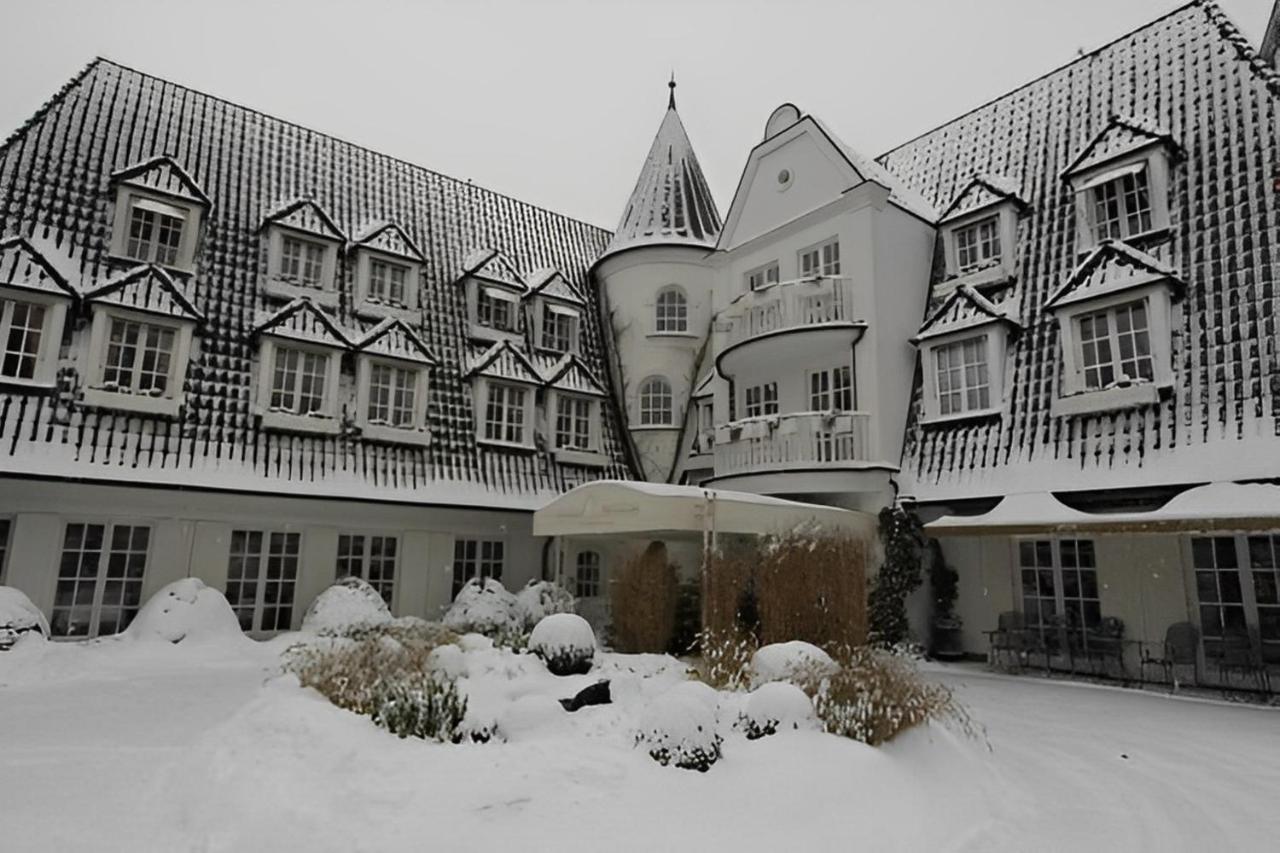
column 24, row 244
column 130, row 172
column 137, row 274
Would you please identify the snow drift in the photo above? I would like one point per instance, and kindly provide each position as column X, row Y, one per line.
column 186, row 611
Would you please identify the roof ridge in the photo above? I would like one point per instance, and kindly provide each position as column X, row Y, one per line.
column 339, row 139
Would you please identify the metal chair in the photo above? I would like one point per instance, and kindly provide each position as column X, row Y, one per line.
column 1236, row 653
column 1105, row 642
column 1009, row 639
column 1056, row 637
column 1181, row 646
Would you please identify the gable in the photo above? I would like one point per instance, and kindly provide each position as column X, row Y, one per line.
column 390, row 238
column 163, row 175
column 305, row 215
column 1113, row 267
column 503, row 361
column 393, row 339
column 550, row 283
column 492, row 265
column 23, row 267
column 1121, row 136
column 573, row 376
column 302, row 321
column 964, row 309
column 146, row 288
column 982, row 191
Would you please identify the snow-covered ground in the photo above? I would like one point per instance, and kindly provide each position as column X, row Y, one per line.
column 126, row 745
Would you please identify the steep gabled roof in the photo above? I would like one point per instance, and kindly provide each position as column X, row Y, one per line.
column 504, row 361
column 494, row 266
column 552, row 284
column 164, row 175
column 703, row 388
column 1112, row 267
column 982, row 191
column 394, row 339
column 964, row 309
column 1120, row 136
column 570, row 374
column 301, row 320
column 671, row 204
column 900, row 192
column 304, row 214
column 21, row 265
column 390, row 238
column 146, row 288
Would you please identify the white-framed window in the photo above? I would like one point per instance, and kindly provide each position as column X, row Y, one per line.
column 262, row 571
column 1059, row 579
column 762, row 277
column 496, row 309
column 1121, row 206
column 504, row 414
column 1115, row 345
column 656, row 402
column 477, row 558
column 370, row 558
column 100, row 574
column 822, row 259
column 137, row 361
column 575, row 422
column 22, row 332
column 978, row 244
column 388, row 282
column 392, row 396
column 154, row 228
column 761, row 399
column 301, row 264
column 301, row 261
column 559, row 328
column 1237, row 581
column 586, row 578
column 386, row 285
column 1123, row 198
column 299, row 380
column 831, row 389
column 671, row 311
column 962, row 376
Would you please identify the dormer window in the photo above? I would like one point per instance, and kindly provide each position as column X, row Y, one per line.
column 978, row 244
column 387, row 281
column 1115, row 345
column 505, row 386
column 388, row 271
column 393, row 396
column 505, row 418
column 574, row 423
column 392, row 381
column 493, row 291
column 496, row 309
column 962, row 376
column 301, row 261
column 300, row 361
column 1121, row 204
column 33, row 303
column 555, row 312
column 158, row 213
column 299, row 381
column 671, row 311
column 302, row 254
column 574, row 399
column 962, row 355
column 22, row 329
column 979, row 231
column 559, row 329
column 155, row 231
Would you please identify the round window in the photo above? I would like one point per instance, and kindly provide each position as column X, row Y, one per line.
column 784, row 179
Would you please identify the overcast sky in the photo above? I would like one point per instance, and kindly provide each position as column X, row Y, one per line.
column 556, row 101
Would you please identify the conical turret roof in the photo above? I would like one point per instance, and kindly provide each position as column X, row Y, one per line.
column 671, row 203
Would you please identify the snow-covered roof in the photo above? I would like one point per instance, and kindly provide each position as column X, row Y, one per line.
column 504, row 361
column 570, row 374
column 1112, row 267
column 1121, row 135
column 305, row 214
column 966, row 308
column 552, row 284
column 390, row 238
column 146, row 288
column 301, row 320
column 492, row 265
column 162, row 173
column 394, row 339
column 982, row 191
column 22, row 266
column 671, row 203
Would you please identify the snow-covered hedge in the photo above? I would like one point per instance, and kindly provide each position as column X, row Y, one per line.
column 677, row 729
column 539, row 599
column 483, row 606
column 791, row 661
column 18, row 616
column 775, row 707
column 349, row 603
column 565, row 642
column 186, row 611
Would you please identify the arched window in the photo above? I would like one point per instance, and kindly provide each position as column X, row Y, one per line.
column 655, row 402
column 671, row 313
column 587, row 580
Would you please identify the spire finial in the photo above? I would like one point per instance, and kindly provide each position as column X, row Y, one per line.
column 671, row 101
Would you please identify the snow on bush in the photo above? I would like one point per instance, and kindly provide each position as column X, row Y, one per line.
column 447, row 660
column 186, row 611
column 431, row 708
column 18, row 616
column 565, row 642
column 774, row 707
column 540, row 599
column 483, row 606
column 699, row 692
column 530, row 715
column 679, row 730
column 349, row 603
column 789, row 662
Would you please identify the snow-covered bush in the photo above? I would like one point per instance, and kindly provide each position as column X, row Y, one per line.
column 18, row 616
column 347, row 604
column 539, row 599
column 679, row 730
column 790, row 662
column 699, row 692
column 483, row 606
column 529, row 715
column 774, row 707
column 185, row 611
column 565, row 642
column 431, row 708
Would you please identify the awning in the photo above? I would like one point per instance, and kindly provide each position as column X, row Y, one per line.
column 605, row 507
column 1216, row 506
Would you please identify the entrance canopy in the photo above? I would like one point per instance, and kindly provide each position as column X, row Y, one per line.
column 1216, row 506
column 606, row 507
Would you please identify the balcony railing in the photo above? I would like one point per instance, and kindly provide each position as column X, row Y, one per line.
column 788, row 305
column 794, row 441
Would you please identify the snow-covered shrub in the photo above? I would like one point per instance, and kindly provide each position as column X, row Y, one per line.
column 18, row 616
column 789, row 662
column 347, row 604
column 774, row 707
column 643, row 602
column 726, row 657
column 679, row 730
column 350, row 673
column 185, row 611
column 483, row 606
column 539, row 599
column 699, row 692
column 528, row 715
column 565, row 642
column 431, row 708
column 875, row 696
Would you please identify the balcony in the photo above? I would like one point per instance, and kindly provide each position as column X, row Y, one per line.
column 803, row 442
column 762, row 321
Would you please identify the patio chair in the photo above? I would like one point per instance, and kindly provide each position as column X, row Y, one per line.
column 1055, row 638
column 1008, row 640
column 1181, row 644
column 1105, row 643
column 1236, row 653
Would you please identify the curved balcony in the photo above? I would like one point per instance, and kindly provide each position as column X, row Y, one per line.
column 761, row 323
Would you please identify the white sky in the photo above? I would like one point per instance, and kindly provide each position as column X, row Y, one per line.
column 556, row 102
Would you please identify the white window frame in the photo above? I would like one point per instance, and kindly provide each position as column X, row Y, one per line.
column 281, row 287
column 1151, row 159
column 1057, row 567
column 367, row 304
column 258, row 606
column 415, row 433
column 362, row 559
column 1246, row 576
column 826, row 258
column 486, row 388
column 644, row 415
column 101, row 574
column 45, row 375
column 484, row 332
column 763, row 276
column 489, row 552
column 591, row 455
column 94, row 369
column 831, row 391
column 671, row 318
column 763, row 398
column 546, row 309
column 996, row 347
column 324, row 421
column 192, row 214
column 992, row 270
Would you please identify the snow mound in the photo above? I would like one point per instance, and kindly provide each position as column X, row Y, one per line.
column 475, row 643
column 697, row 691
column 789, row 661
column 348, row 603
column 679, row 730
column 18, row 616
column 540, row 599
column 534, row 714
column 776, row 707
column 565, row 642
column 482, row 606
column 186, row 611
column 447, row 660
